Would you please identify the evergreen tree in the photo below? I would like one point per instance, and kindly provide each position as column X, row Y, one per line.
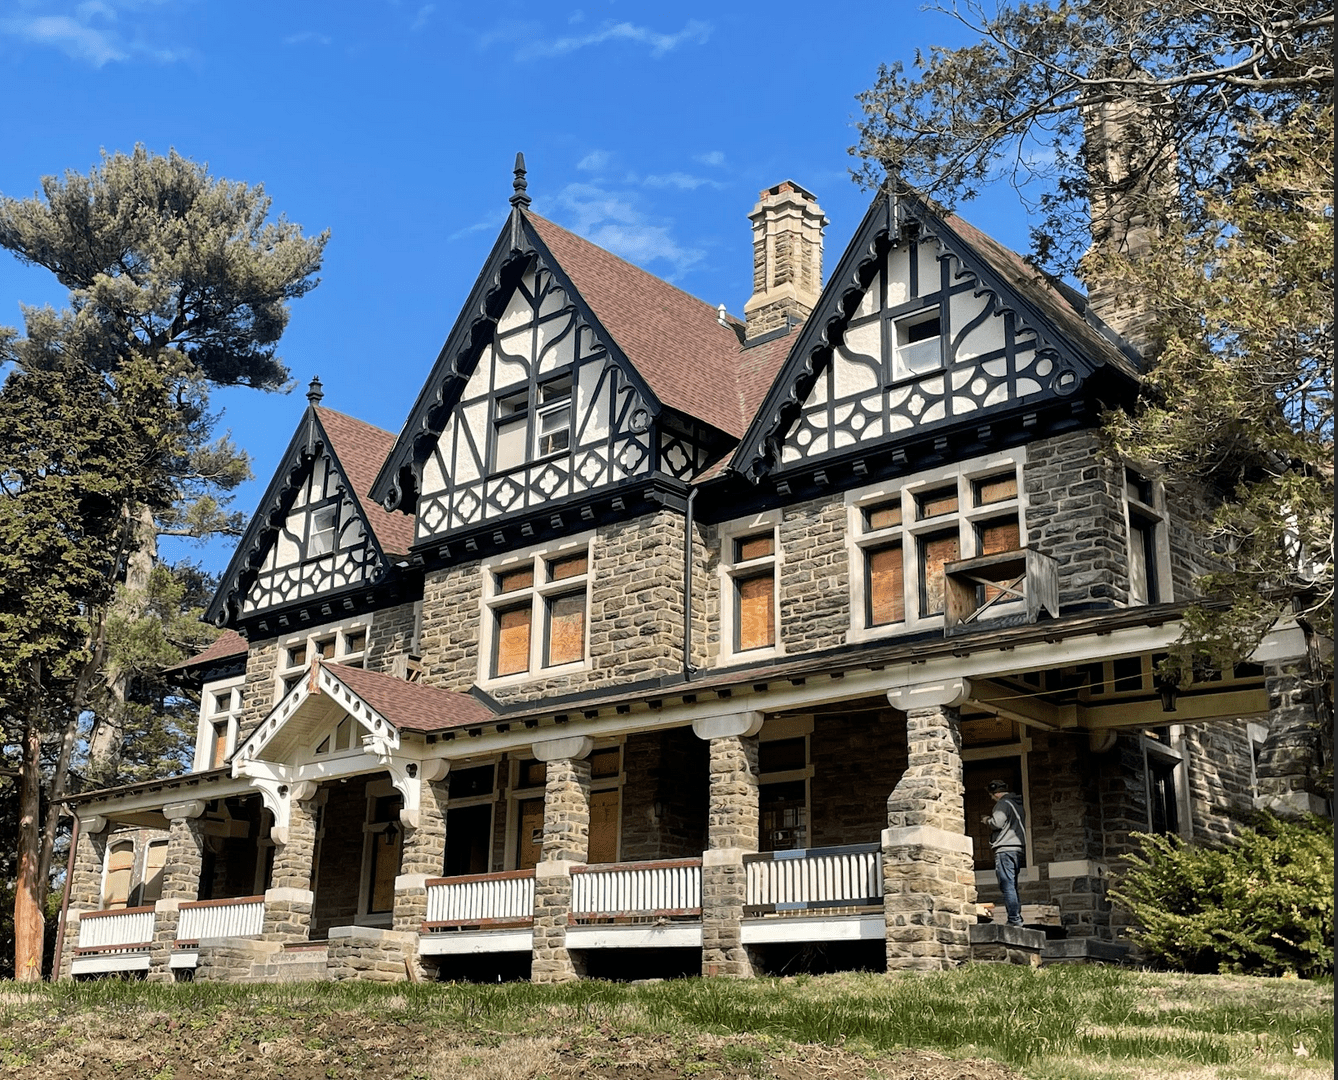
column 178, row 283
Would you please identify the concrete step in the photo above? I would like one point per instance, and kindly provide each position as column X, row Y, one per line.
column 999, row 943
column 1079, row 950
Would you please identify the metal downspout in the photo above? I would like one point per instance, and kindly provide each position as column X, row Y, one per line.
column 688, row 523
column 65, row 901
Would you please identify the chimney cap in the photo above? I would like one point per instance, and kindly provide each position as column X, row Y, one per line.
column 786, row 187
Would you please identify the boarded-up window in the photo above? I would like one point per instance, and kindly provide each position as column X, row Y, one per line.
column 996, row 489
column 155, row 858
column 939, row 501
column 572, row 566
column 512, row 580
column 384, row 858
column 512, row 652
column 886, row 598
column 604, row 806
column 219, row 753
column 605, row 763
column 530, row 833
column 566, row 629
column 883, row 515
column 754, row 547
column 756, row 627
column 935, row 550
column 120, row 868
column 992, row 537
column 326, row 648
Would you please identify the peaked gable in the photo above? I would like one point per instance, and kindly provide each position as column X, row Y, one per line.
column 314, row 535
column 534, row 400
column 926, row 324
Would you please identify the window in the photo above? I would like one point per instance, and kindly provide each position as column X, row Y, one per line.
column 748, row 587
column 993, row 748
column 1163, row 759
column 118, row 874
column 155, row 859
column 220, row 717
column 469, row 820
column 919, row 345
column 903, row 535
column 783, row 777
column 321, row 538
column 527, row 799
column 345, row 645
column 513, row 443
column 1145, row 504
column 537, row 607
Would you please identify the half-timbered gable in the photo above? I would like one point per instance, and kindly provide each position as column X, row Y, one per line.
column 571, row 375
column 926, row 325
column 313, row 536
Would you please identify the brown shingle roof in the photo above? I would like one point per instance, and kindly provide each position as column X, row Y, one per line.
column 229, row 643
column 674, row 340
column 412, row 706
column 361, row 449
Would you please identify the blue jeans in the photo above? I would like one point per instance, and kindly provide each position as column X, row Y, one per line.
column 1006, row 862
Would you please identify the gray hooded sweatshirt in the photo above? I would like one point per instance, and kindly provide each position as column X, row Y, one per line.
column 1009, row 822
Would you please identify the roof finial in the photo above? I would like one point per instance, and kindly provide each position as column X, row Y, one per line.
column 520, row 198
column 315, row 392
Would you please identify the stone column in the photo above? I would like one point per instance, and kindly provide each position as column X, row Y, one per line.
column 566, row 844
column 289, row 899
column 1297, row 746
column 90, row 852
column 424, row 853
column 181, row 881
column 929, row 889
column 732, row 825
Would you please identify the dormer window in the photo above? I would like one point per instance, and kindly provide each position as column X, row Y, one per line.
column 321, row 541
column 552, row 424
column 919, row 345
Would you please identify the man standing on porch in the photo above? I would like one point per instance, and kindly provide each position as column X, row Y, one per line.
column 1008, row 843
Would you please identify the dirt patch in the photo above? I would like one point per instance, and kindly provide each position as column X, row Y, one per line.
column 223, row 1045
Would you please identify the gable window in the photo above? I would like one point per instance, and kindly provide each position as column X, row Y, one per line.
column 902, row 535
column 220, row 716
column 1146, row 507
column 748, row 587
column 321, row 537
column 919, row 345
column 345, row 645
column 537, row 609
column 513, row 442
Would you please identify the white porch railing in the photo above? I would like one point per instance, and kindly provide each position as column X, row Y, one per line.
column 629, row 890
column 816, row 878
column 121, row 928
column 480, row 900
column 240, row 916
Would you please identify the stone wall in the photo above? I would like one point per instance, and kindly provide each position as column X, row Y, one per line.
column 391, row 637
column 370, row 955
column 262, row 662
column 815, row 577
column 857, row 761
column 1296, row 761
column 1218, row 759
column 1075, row 514
column 664, row 796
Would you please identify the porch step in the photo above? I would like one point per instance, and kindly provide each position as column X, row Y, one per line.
column 300, row 963
column 999, row 943
column 1083, row 950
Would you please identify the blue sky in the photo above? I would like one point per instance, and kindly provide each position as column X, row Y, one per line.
column 647, row 129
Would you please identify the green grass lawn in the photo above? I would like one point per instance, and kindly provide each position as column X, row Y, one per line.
column 986, row 1021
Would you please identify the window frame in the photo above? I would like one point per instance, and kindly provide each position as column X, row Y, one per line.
column 538, row 595
column 902, row 371
column 1153, row 525
column 782, row 729
column 734, row 571
column 524, row 405
column 210, row 716
column 913, row 530
column 374, row 791
column 1168, row 756
column 343, row 634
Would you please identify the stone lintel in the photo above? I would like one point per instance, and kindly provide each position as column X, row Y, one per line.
column 555, row 868
column 178, row 811
column 289, row 896
column 573, row 746
column 730, row 856
column 1285, row 643
column 731, row 725
column 927, row 836
column 1078, row 868
column 170, row 904
column 409, row 882
column 945, row 693
column 371, row 934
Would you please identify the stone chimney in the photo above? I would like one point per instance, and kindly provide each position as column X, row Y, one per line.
column 1130, row 153
column 787, row 257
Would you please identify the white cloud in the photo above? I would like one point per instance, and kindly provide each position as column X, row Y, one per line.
column 595, row 161
column 478, row 226
column 70, row 28
column 421, row 19
column 615, row 221
column 680, row 180
column 531, row 42
column 714, row 158
column 307, row 37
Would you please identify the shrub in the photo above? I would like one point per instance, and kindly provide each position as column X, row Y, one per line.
column 1262, row 905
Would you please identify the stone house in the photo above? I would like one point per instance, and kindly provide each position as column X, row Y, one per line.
column 664, row 641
